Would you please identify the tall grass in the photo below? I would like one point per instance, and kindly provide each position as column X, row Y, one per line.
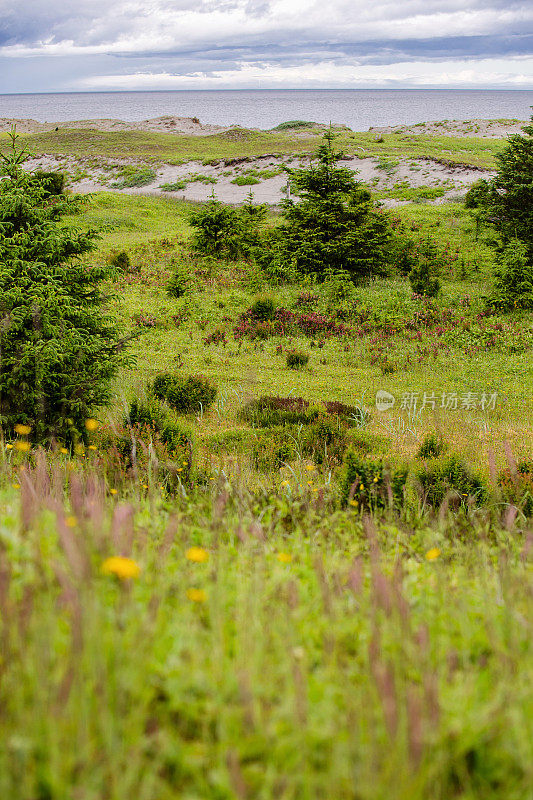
column 319, row 654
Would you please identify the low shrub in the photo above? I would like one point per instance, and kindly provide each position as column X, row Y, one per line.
column 151, row 416
column 53, row 183
column 130, row 177
column 432, row 446
column 513, row 283
column 323, row 441
column 267, row 412
column 296, row 359
column 179, row 282
column 423, row 281
column 517, row 486
column 121, row 261
column 184, row 394
column 449, row 476
column 370, row 484
column 263, row 309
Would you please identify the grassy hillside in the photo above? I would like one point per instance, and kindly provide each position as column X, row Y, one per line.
column 241, row 143
column 282, row 601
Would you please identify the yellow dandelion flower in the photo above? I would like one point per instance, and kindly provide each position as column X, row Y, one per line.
column 23, row 446
column 112, row 491
column 284, row 483
column 361, row 488
column 180, row 469
column 15, row 485
column 376, row 479
column 145, row 486
column 22, row 430
column 432, row 554
column 122, row 567
column 310, row 467
column 71, row 521
column 92, row 447
column 91, row 424
column 354, row 503
column 285, row 558
column 63, row 450
column 9, row 447
column 309, row 483
column 197, row 554
column 196, row 595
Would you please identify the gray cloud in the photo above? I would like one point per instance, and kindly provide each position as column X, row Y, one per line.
column 203, row 37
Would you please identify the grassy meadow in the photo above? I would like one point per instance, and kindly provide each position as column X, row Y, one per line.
column 236, row 620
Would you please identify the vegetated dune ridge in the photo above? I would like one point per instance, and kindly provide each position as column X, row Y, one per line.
column 191, row 126
column 399, row 180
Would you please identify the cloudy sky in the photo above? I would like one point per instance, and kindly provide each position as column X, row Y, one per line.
column 84, row 45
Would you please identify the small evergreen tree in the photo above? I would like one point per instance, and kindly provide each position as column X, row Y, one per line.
column 335, row 224
column 59, row 346
column 513, row 283
column 506, row 202
column 512, row 201
column 227, row 232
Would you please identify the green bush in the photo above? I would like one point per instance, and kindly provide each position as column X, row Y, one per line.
column 263, row 308
column 130, row 177
column 478, row 194
column 179, row 282
column 121, row 261
column 449, row 475
column 423, row 282
column 227, row 232
column 267, row 412
column 52, row 183
column 245, row 180
column 513, row 284
column 184, row 394
column 150, row 415
column 296, row 359
column 432, row 446
column 372, row 483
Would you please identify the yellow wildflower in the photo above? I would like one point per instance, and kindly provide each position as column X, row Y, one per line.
column 122, row 567
column 15, row 485
column 285, row 558
column 23, row 446
column 71, row 521
column 361, row 488
column 91, row 424
column 9, row 446
column 432, row 554
column 63, row 450
column 197, row 595
column 310, row 467
column 354, row 503
column 92, row 447
column 197, row 554
column 112, row 491
column 22, row 430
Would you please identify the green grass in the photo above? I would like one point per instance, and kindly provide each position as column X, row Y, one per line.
column 154, row 231
column 307, row 657
column 240, row 143
column 315, row 654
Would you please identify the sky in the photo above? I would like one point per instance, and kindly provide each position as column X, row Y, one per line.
column 99, row 45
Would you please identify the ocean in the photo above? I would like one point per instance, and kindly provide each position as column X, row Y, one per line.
column 360, row 109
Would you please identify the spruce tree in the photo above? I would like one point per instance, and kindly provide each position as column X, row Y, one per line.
column 335, row 225
column 59, row 345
